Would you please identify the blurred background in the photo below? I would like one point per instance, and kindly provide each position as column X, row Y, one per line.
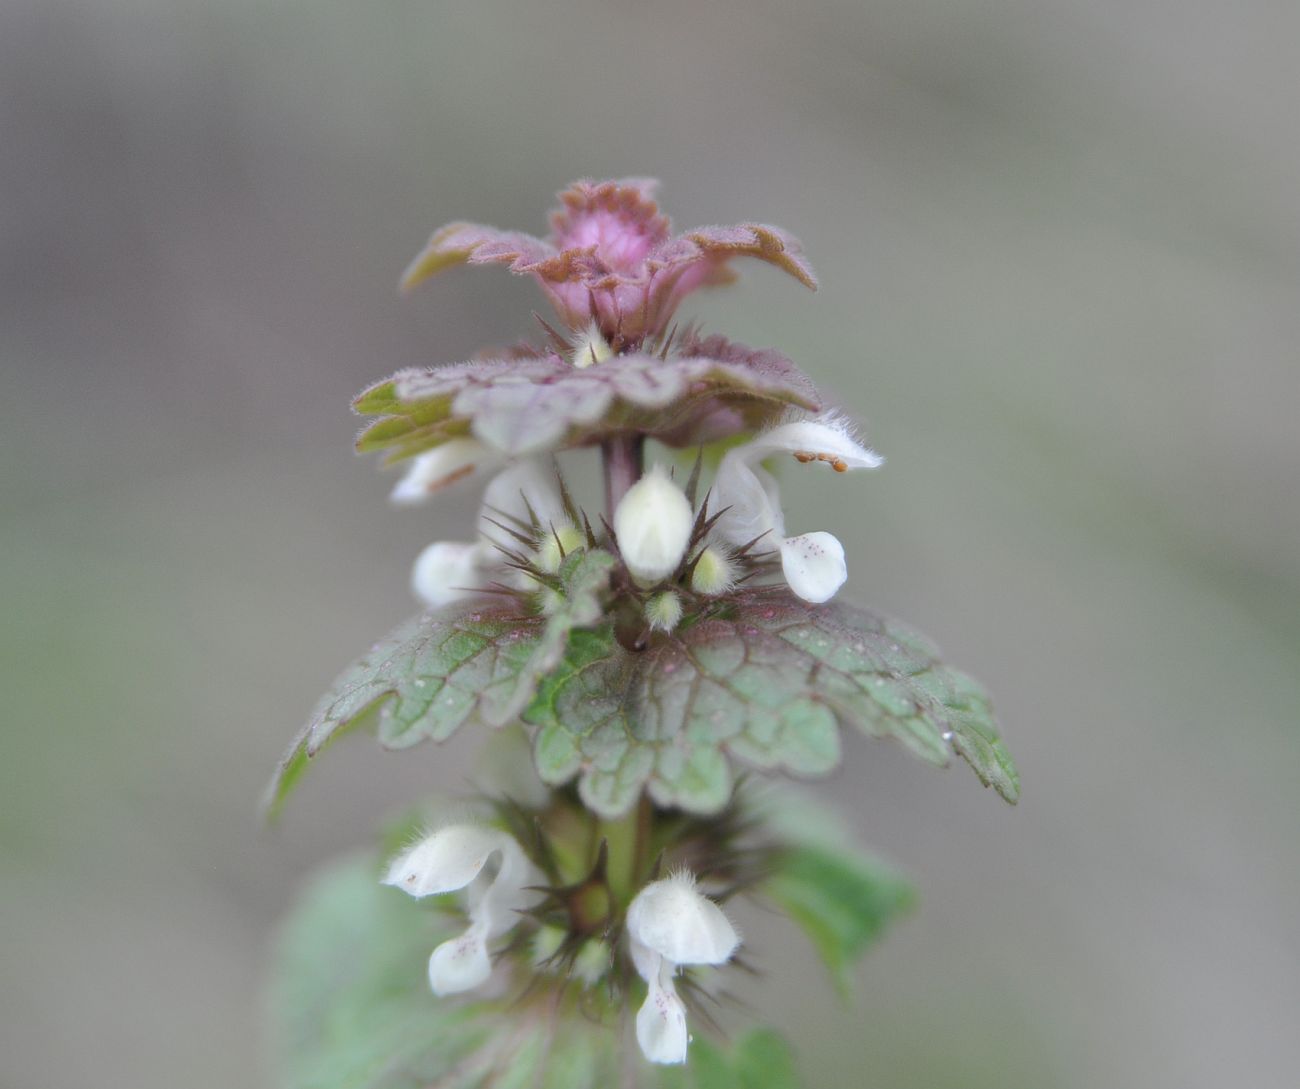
column 1060, row 248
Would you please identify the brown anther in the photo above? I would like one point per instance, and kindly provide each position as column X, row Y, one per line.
column 840, row 466
column 803, row 457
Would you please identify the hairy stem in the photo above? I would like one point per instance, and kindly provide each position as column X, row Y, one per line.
column 622, row 459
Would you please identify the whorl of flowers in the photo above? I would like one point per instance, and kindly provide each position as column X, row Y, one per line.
column 648, row 643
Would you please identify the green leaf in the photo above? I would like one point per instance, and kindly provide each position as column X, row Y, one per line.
column 353, row 1010
column 767, row 682
column 438, row 671
column 841, row 899
column 763, row 1061
column 525, row 405
column 760, row 1059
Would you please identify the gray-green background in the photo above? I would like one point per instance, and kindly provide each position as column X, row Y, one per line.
column 1060, row 246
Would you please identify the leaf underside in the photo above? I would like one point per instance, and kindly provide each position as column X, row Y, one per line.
column 767, row 682
column 523, row 406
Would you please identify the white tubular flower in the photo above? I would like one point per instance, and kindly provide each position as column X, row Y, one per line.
column 813, row 563
column 525, row 486
column 653, row 523
column 439, row 468
column 670, row 924
column 450, row 571
column 447, row 571
column 451, row 859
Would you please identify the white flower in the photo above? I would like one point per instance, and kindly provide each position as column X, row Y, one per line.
column 451, row 859
column 652, row 524
column 670, row 924
column 813, row 563
column 448, row 571
column 522, row 491
column 439, row 468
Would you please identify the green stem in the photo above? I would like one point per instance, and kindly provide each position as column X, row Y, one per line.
column 629, row 843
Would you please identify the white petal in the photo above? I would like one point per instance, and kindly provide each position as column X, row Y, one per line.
column 644, row 959
column 528, row 484
column 445, row 861
column 749, row 494
column 513, row 889
column 674, row 920
column 460, row 964
column 814, row 565
column 661, row 1022
column 652, row 524
column 447, row 571
column 825, row 439
column 438, row 468
column 746, row 498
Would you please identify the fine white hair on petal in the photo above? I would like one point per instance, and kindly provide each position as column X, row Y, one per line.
column 447, row 571
column 445, row 861
column 827, row 438
column 683, row 926
column 438, row 468
column 653, row 523
column 813, row 565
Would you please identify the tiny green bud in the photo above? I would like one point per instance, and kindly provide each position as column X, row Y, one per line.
column 714, row 573
column 591, row 347
column 592, row 962
column 664, row 611
column 546, row 943
column 556, row 544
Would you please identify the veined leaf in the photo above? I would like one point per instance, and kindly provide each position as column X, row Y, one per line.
column 437, row 671
column 767, row 682
column 524, row 405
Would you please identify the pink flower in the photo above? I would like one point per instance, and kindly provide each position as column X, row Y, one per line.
column 612, row 259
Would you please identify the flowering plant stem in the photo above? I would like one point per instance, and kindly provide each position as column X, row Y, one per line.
column 628, row 840
column 622, row 458
column 652, row 663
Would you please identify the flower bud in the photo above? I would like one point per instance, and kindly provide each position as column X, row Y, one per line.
column 557, row 543
column 663, row 612
column 653, row 524
column 714, row 573
column 591, row 347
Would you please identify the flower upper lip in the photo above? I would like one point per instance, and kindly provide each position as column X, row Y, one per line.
column 612, row 258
